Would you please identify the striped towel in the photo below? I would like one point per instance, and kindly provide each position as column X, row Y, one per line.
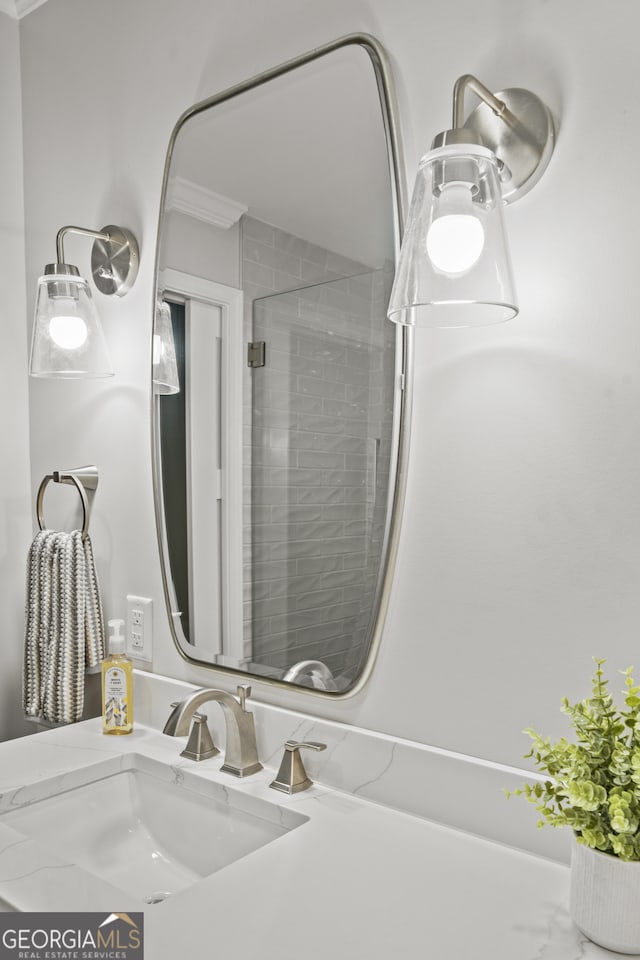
column 64, row 632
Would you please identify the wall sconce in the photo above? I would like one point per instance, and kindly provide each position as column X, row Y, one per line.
column 67, row 339
column 165, row 368
column 454, row 268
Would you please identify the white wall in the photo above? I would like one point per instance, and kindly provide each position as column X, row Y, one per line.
column 520, row 557
column 15, row 500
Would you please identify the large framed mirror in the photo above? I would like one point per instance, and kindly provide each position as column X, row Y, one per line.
column 280, row 389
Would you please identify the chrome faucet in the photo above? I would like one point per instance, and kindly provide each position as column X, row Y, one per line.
column 241, row 752
column 311, row 673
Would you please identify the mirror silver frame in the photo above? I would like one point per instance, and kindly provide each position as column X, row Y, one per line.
column 404, row 359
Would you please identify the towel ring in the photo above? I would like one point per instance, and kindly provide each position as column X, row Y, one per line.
column 64, row 478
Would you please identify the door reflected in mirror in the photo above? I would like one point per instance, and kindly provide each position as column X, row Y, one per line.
column 278, row 410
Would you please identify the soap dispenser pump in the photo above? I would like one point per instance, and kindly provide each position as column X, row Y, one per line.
column 117, row 684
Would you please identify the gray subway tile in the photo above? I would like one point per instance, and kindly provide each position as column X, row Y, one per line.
column 256, row 273
column 297, row 513
column 319, row 564
column 258, row 229
column 320, row 598
column 319, row 530
column 270, row 570
column 320, row 460
column 268, row 255
column 320, row 494
column 322, row 388
column 344, row 511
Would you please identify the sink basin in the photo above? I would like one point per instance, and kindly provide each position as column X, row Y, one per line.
column 149, row 828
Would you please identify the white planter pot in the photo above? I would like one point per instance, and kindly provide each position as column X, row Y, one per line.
column 605, row 899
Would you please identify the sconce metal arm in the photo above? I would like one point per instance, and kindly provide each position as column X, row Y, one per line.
column 497, row 106
column 63, row 231
column 472, row 83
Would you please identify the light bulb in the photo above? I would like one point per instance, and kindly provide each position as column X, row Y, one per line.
column 455, row 238
column 68, row 332
column 158, row 349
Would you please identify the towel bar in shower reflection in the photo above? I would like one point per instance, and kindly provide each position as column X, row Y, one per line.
column 83, row 478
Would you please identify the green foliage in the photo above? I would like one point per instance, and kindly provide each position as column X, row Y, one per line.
column 594, row 784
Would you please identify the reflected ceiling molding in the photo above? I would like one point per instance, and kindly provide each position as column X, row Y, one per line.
column 190, row 198
column 19, row 8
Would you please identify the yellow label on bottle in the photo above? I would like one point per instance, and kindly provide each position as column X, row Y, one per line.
column 115, row 694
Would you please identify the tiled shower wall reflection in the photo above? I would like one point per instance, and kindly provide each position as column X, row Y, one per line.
column 320, row 428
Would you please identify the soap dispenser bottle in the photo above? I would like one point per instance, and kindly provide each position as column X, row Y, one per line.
column 117, row 684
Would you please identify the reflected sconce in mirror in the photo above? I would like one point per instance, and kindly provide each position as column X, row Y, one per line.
column 165, row 367
column 454, row 268
column 67, row 340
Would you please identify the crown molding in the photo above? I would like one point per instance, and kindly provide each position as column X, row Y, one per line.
column 19, row 8
column 202, row 204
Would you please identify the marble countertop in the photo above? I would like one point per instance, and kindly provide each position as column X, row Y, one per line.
column 357, row 880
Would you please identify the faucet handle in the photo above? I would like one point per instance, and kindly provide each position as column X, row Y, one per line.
column 200, row 745
column 292, row 776
column 292, row 745
column 244, row 692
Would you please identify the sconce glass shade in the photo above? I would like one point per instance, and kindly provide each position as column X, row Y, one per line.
column 454, row 268
column 165, row 368
column 67, row 340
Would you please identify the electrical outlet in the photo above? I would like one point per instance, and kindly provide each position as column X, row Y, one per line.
column 139, row 628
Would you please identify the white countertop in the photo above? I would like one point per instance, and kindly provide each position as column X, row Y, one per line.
column 358, row 880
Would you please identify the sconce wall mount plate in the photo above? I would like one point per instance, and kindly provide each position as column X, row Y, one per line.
column 114, row 261
column 522, row 139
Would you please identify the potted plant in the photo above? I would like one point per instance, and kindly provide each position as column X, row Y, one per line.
column 593, row 786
